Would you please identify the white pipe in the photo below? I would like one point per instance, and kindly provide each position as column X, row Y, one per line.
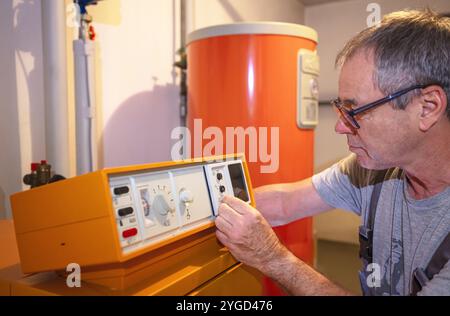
column 84, row 56
column 92, row 103
column 55, row 85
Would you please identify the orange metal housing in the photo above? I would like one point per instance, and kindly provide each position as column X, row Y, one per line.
column 250, row 80
column 196, row 265
column 74, row 221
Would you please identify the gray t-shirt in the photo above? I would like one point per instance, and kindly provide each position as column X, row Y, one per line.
column 407, row 232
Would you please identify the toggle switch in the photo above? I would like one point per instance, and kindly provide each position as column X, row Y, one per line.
column 121, row 190
column 129, row 233
column 125, row 211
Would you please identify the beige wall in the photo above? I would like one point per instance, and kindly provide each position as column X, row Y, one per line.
column 337, row 22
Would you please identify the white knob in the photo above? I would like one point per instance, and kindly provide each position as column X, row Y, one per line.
column 186, row 196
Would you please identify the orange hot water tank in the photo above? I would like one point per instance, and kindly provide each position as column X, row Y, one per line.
column 260, row 78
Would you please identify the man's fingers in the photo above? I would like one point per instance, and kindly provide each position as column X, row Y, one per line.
column 222, row 237
column 223, row 224
column 228, row 213
column 236, row 204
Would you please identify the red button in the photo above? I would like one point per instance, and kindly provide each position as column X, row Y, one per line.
column 129, row 233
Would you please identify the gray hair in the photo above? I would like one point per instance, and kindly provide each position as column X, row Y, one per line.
column 409, row 48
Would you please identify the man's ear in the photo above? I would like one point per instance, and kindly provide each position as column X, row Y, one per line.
column 433, row 106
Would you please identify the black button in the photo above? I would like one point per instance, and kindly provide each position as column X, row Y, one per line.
column 219, row 176
column 121, row 190
column 125, row 211
column 222, row 189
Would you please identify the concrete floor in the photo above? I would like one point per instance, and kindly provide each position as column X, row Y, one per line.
column 340, row 263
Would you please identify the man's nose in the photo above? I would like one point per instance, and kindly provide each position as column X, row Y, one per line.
column 342, row 128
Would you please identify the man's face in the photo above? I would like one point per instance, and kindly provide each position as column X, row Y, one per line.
column 387, row 136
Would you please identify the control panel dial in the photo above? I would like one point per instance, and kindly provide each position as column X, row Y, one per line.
column 163, row 204
column 186, row 199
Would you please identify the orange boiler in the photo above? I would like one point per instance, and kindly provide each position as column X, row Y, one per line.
column 258, row 81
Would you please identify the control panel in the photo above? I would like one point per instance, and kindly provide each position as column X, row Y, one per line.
column 156, row 205
column 226, row 178
column 117, row 214
column 308, row 89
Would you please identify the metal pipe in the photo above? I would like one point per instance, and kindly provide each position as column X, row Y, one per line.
column 183, row 69
column 183, row 23
column 55, row 85
column 84, row 58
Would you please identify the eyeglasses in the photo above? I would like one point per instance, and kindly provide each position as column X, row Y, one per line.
column 348, row 114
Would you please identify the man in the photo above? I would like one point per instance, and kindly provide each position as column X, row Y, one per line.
column 400, row 145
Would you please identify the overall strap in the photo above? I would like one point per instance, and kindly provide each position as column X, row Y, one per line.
column 366, row 231
column 440, row 257
column 373, row 204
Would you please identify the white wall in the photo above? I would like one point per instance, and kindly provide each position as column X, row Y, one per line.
column 211, row 12
column 21, row 90
column 336, row 23
column 138, row 93
column 138, row 82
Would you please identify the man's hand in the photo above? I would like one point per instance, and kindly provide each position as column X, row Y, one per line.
column 252, row 241
column 245, row 232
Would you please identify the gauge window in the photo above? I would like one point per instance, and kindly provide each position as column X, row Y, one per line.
column 238, row 182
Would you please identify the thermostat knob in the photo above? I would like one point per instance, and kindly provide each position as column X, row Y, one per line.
column 186, row 196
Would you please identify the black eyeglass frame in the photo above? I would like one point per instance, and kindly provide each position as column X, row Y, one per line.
column 349, row 115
